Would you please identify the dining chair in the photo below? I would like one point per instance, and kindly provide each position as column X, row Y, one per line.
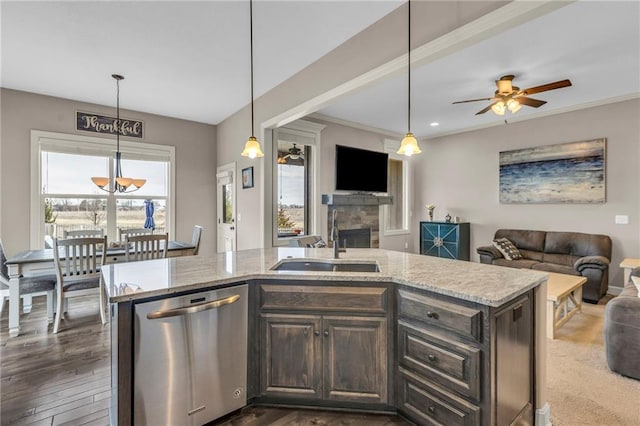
column 125, row 232
column 146, row 247
column 78, row 262
column 195, row 238
column 35, row 285
column 83, row 233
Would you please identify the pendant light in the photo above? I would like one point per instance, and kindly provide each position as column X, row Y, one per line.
column 252, row 147
column 409, row 144
column 120, row 184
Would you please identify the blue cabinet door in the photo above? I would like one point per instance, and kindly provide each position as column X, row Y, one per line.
column 446, row 240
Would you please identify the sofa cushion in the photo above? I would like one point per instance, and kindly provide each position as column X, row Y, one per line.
column 508, row 250
column 554, row 267
column 577, row 244
column 523, row 239
column 559, row 259
column 522, row 263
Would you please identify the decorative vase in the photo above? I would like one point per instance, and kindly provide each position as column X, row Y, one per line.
column 430, row 215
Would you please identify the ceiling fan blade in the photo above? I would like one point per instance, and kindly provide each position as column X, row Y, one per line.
column 543, row 88
column 530, row 101
column 482, row 111
column 473, row 100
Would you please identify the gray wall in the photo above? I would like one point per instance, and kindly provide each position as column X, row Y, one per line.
column 375, row 46
column 459, row 174
column 195, row 146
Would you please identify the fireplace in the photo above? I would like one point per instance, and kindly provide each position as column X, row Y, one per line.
column 355, row 238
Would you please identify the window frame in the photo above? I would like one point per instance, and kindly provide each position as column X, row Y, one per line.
column 391, row 147
column 89, row 145
column 307, row 134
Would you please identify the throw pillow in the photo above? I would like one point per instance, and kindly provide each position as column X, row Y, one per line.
column 507, row 248
column 318, row 244
column 636, row 282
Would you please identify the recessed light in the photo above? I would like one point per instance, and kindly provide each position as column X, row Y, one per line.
column 434, row 124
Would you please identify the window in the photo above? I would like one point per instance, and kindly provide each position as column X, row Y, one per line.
column 396, row 215
column 64, row 198
column 295, row 166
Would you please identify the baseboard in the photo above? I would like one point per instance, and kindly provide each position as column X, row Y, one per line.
column 614, row 290
column 543, row 416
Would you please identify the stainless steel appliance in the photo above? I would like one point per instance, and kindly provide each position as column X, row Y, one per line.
column 190, row 357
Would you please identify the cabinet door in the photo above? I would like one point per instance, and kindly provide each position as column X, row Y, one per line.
column 355, row 359
column 290, row 353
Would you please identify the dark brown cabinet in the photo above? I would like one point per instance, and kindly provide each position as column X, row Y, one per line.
column 319, row 354
column 460, row 363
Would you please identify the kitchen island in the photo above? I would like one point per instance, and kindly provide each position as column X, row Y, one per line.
column 435, row 339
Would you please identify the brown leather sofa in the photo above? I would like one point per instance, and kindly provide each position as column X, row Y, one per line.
column 571, row 253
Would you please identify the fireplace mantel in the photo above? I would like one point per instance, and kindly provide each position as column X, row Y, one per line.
column 355, row 199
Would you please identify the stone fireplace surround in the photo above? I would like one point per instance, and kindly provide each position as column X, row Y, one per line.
column 356, row 211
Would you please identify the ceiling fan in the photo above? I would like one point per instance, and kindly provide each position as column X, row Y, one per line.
column 512, row 97
column 294, row 153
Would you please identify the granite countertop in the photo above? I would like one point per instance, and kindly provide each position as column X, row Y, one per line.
column 485, row 284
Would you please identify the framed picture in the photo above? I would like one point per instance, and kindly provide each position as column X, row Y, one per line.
column 565, row 173
column 247, row 178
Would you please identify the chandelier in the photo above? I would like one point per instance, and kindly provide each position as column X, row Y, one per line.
column 120, row 184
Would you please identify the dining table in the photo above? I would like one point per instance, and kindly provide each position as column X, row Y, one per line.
column 41, row 262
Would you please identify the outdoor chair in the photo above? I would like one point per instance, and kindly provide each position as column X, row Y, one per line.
column 125, row 232
column 83, row 233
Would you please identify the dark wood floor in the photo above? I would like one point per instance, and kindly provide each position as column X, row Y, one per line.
column 65, row 378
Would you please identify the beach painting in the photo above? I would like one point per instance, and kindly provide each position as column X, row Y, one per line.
column 565, row 173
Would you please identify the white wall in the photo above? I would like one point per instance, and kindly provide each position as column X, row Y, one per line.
column 195, row 145
column 459, row 174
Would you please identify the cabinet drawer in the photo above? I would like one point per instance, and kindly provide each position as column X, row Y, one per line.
column 459, row 319
column 323, row 298
column 427, row 404
column 449, row 363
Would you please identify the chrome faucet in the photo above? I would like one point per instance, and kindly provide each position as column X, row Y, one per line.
column 334, row 235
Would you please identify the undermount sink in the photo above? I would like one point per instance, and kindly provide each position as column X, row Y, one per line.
column 325, row 265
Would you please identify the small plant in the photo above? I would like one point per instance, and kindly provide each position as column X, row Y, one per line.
column 49, row 215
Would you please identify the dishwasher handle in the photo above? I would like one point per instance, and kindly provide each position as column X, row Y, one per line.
column 194, row 308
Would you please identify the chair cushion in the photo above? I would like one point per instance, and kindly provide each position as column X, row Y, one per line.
column 507, row 248
column 37, row 284
column 82, row 284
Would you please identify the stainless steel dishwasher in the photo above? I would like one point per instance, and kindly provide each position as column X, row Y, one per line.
column 190, row 357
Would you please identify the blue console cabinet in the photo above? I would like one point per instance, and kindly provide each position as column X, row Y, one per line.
column 444, row 239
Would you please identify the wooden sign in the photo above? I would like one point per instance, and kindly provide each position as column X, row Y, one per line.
column 96, row 123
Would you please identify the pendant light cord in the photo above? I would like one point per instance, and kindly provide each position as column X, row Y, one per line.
column 409, row 68
column 251, row 48
column 117, row 115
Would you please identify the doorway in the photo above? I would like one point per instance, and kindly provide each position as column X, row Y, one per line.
column 226, row 210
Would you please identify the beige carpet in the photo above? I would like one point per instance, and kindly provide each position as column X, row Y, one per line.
column 581, row 388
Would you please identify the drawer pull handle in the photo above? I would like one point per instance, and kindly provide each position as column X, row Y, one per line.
column 326, row 332
column 432, row 409
column 432, row 357
column 433, row 315
column 317, row 332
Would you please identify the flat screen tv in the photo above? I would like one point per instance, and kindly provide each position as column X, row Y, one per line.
column 361, row 170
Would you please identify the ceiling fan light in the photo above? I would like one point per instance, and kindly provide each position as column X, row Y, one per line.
column 252, row 148
column 514, row 106
column 498, row 108
column 409, row 145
